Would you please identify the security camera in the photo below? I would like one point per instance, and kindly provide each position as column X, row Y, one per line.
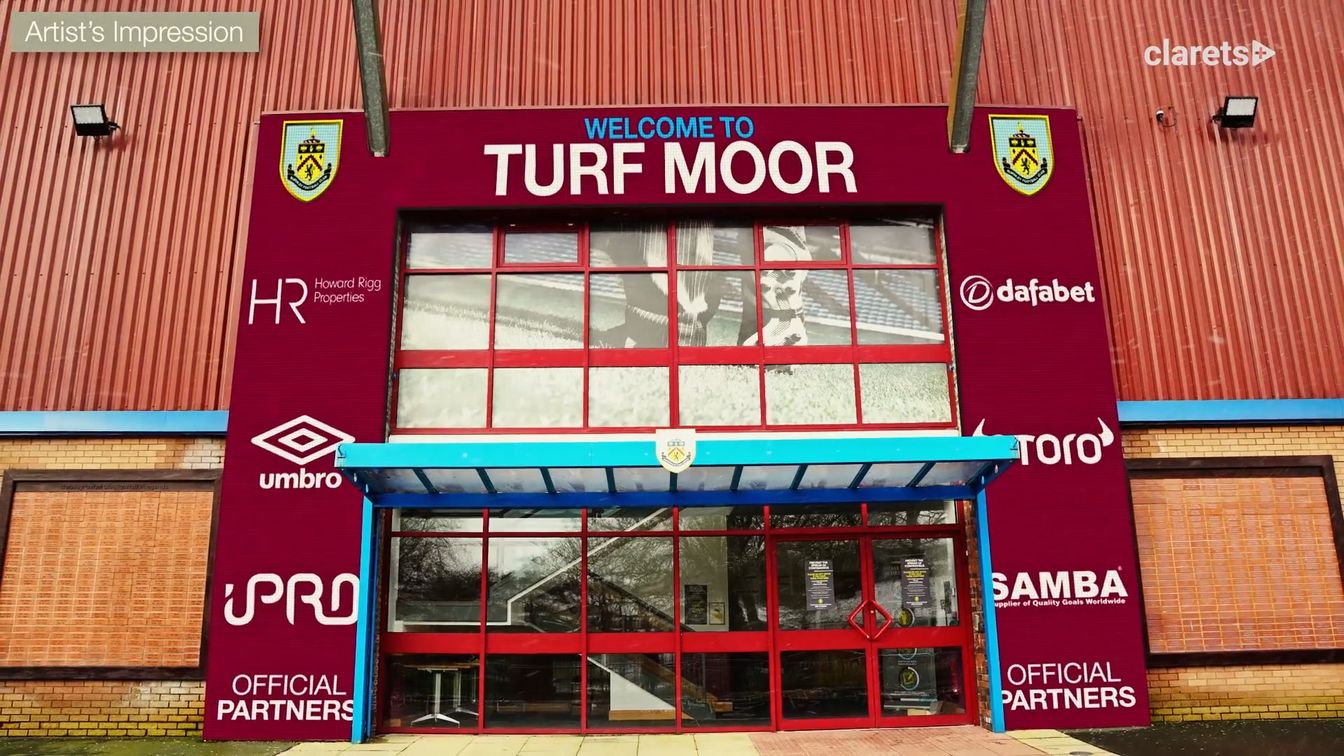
column 1166, row 116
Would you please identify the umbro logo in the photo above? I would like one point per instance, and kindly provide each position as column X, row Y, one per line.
column 302, row 440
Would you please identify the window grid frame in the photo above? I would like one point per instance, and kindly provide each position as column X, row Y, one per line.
column 675, row 355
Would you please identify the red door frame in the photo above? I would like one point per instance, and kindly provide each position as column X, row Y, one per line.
column 847, row 638
column 483, row 644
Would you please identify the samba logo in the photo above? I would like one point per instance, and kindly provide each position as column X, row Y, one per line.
column 1022, row 150
column 309, row 156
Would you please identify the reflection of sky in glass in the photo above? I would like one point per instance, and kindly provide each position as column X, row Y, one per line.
column 892, row 242
column 538, row 397
column 630, row 397
column 809, row 395
column 534, row 248
column 627, row 246
column 539, row 311
column 905, row 393
column 446, row 312
column 897, row 307
column 466, row 246
column 441, row 398
column 719, row 395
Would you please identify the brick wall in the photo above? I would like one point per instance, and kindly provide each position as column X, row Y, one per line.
column 1262, row 691
column 100, row 707
column 105, row 707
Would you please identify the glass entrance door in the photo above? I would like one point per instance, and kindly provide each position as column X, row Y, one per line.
column 868, row 631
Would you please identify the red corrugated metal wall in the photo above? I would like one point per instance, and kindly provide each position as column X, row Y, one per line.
column 1222, row 252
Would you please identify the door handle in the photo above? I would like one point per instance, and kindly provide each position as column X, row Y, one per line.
column 856, row 625
column 886, row 615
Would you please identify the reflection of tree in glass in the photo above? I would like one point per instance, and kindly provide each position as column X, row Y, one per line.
column 438, row 579
column 630, row 584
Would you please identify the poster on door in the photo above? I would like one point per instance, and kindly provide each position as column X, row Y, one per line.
column 820, row 584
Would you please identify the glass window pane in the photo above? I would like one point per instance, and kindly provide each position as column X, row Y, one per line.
column 632, row 690
column 628, row 397
column 950, row 474
column 642, row 479
column 436, row 520
column 898, row 307
column 446, row 312
column 823, row 684
column 719, row 395
column 805, row 307
column 915, row 579
column 801, row 243
column 465, row 246
column 433, row 691
column 766, row 477
column 627, row 245
column 721, row 518
column 819, row 583
column 516, row 479
column 711, row 310
column 539, row 311
column 434, row 398
column 628, row 311
column 893, row 242
column 438, row 585
column 630, row 584
column 713, row 478
column 533, row 585
column 905, row 393
column 704, row 243
column 455, row 481
column 725, row 690
column 579, row 479
column 829, row 476
column 822, row 516
column 538, row 398
column 809, row 394
column 891, row 475
column 921, row 681
column 533, row 690
column 913, row 513
column 541, row 248
column 723, row 583
column 535, row 520
column 630, row 518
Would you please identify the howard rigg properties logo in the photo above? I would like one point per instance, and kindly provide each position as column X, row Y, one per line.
column 301, row 441
column 978, row 292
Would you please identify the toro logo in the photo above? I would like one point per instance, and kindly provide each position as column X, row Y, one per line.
column 978, row 293
column 1050, row 449
column 301, row 588
column 301, row 441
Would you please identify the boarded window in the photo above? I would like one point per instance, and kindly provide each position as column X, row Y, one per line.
column 1237, row 563
column 112, row 577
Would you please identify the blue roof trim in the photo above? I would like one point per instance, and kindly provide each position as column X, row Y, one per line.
column 1230, row 411
column 128, row 423
column 709, row 452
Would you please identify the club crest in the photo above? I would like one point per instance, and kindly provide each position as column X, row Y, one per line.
column 309, row 157
column 1023, row 152
column 675, row 448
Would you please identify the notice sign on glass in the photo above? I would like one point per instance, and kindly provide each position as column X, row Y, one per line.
column 820, row 584
column 696, row 603
column 915, row 582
